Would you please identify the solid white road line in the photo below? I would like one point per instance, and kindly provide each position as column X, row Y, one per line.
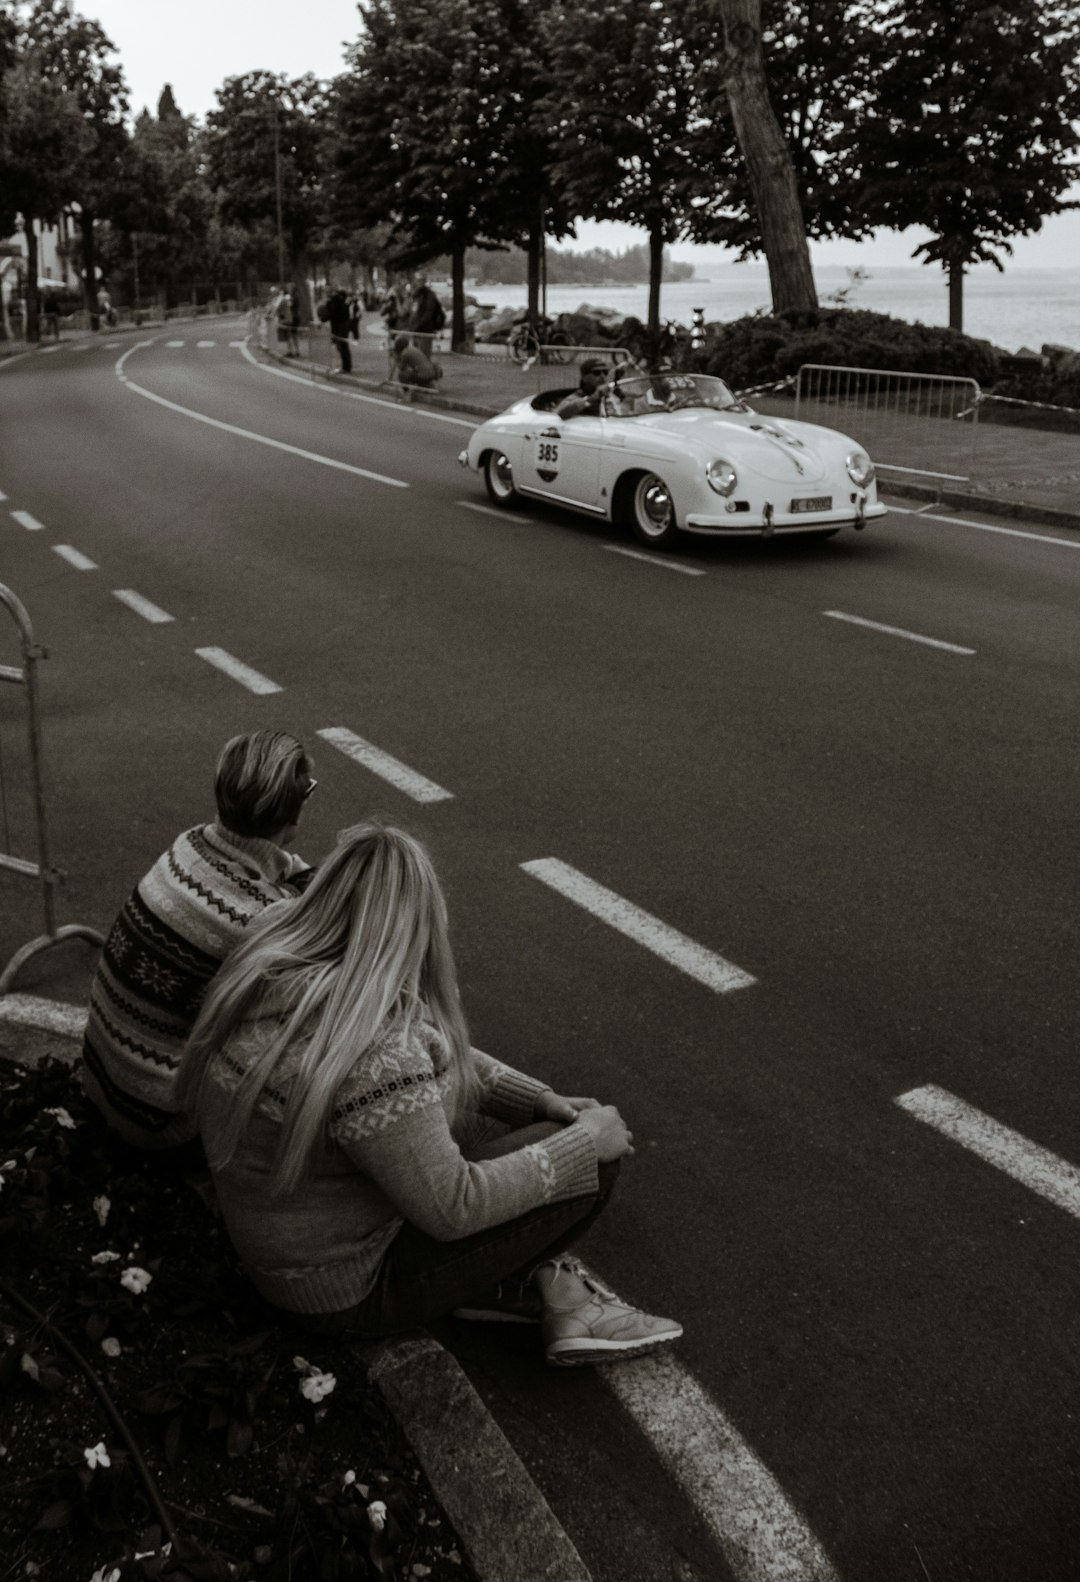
column 52, row 1016
column 897, row 631
column 762, row 1535
column 141, row 606
column 921, row 472
column 31, row 523
column 664, row 941
column 1033, row 1166
column 990, row 527
column 74, row 557
column 244, row 433
column 654, row 560
column 356, row 395
column 238, row 671
column 414, row 785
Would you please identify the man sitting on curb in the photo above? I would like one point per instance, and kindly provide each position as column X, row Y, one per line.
column 411, row 367
column 178, row 925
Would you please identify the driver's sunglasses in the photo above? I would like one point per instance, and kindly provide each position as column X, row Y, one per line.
column 309, row 788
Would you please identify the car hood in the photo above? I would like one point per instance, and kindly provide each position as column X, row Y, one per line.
column 789, row 452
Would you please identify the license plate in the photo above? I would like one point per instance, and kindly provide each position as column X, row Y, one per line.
column 816, row 502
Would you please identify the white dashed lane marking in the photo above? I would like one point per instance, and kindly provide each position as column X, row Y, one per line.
column 1029, row 1163
column 205, row 343
column 676, row 949
column 3, row 496
column 31, row 523
column 174, row 343
column 45, row 350
column 896, row 631
column 654, row 560
column 141, row 606
column 491, row 510
column 238, row 671
column 74, row 557
column 398, row 774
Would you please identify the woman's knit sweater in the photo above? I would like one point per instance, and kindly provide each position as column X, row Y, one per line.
column 391, row 1154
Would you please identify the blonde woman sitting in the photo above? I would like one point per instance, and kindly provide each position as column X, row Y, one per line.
column 354, row 1136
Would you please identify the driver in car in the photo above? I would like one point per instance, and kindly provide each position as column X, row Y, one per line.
column 585, row 400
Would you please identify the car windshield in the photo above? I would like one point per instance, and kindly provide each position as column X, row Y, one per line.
column 645, row 394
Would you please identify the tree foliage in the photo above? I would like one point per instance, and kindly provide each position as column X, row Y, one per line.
column 971, row 129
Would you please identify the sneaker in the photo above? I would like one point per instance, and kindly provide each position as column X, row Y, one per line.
column 510, row 1302
column 601, row 1329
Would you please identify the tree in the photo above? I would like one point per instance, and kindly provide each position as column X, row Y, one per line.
column 972, row 127
column 630, row 110
column 265, row 158
column 74, row 54
column 43, row 141
column 769, row 167
column 428, row 137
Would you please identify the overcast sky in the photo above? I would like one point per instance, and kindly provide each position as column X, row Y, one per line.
column 206, row 41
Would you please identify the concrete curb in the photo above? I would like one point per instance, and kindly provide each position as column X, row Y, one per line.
column 505, row 1525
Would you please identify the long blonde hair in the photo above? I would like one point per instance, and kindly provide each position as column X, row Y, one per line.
column 363, row 949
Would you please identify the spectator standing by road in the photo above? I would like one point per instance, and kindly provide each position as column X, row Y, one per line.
column 52, row 316
column 374, row 1171
column 391, row 310
column 179, row 923
column 335, row 312
column 426, row 317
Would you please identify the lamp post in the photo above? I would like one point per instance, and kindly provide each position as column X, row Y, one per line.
column 277, row 194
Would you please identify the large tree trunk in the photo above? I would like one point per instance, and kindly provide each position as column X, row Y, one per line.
column 86, row 230
column 457, row 285
column 769, row 166
column 956, row 296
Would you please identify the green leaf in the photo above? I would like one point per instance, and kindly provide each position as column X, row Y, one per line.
column 59, row 1514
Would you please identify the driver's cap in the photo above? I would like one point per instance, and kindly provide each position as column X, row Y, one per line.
column 594, row 365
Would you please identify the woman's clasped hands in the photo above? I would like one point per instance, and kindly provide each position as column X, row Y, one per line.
column 609, row 1132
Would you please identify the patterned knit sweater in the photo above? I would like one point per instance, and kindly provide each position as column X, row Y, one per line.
column 172, row 934
column 391, row 1155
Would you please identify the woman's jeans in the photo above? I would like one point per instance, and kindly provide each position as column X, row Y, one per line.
column 422, row 1279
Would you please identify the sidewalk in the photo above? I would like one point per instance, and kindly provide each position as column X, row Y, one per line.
column 501, row 1519
column 1023, row 472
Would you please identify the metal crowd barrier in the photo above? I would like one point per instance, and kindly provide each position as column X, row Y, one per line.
column 933, row 417
column 49, row 877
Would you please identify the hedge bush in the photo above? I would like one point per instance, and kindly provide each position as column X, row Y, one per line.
column 764, row 347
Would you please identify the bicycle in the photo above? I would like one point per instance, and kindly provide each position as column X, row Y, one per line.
column 525, row 345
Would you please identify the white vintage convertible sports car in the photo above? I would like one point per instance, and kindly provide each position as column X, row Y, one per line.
column 675, row 453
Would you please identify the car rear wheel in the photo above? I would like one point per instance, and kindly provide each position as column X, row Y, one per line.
column 499, row 477
column 652, row 515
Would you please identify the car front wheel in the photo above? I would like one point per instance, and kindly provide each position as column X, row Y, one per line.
column 499, row 477
column 652, row 515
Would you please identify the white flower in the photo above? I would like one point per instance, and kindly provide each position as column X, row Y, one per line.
column 377, row 1515
column 135, row 1280
column 109, row 1574
column 316, row 1385
column 101, row 1208
column 63, row 1118
column 111, row 1346
column 97, row 1455
column 105, row 1257
column 350, row 1477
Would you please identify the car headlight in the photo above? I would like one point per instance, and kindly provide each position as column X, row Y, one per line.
column 860, row 469
column 722, row 476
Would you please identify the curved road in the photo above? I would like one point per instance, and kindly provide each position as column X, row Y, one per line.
column 856, row 1175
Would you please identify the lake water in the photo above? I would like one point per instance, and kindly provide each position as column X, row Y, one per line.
column 1022, row 307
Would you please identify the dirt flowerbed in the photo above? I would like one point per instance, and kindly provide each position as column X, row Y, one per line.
column 155, row 1420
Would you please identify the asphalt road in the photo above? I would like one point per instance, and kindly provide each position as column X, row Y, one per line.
column 882, row 1321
